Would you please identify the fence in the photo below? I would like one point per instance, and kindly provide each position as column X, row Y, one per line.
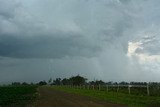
column 130, row 89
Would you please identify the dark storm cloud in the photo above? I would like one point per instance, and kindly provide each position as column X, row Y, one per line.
column 7, row 8
column 58, row 38
column 46, row 47
column 40, row 33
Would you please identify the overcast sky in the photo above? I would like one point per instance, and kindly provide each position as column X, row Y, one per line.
column 112, row 40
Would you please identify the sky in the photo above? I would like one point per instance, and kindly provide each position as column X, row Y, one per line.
column 111, row 40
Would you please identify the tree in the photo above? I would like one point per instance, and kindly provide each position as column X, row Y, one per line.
column 65, row 81
column 16, row 83
column 57, row 81
column 97, row 82
column 42, row 83
column 77, row 80
column 50, row 81
column 123, row 83
column 24, row 83
column 92, row 82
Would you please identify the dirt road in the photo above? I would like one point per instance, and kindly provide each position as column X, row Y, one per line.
column 54, row 98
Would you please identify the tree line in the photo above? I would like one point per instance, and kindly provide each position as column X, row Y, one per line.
column 80, row 80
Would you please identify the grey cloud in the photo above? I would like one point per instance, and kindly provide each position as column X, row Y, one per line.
column 29, row 70
column 47, row 47
column 88, row 37
column 150, row 45
column 79, row 32
column 8, row 8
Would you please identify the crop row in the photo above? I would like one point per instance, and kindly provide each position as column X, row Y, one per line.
column 17, row 94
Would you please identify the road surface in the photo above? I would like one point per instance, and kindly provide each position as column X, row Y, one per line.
column 54, row 98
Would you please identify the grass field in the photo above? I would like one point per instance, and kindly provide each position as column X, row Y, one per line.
column 114, row 97
column 17, row 95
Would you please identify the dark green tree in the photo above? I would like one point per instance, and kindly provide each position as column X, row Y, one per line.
column 77, row 80
column 66, row 81
column 57, row 81
column 42, row 83
column 97, row 82
column 16, row 83
column 50, row 81
column 24, row 83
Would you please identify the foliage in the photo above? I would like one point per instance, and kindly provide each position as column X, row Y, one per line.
column 16, row 83
column 66, row 81
column 74, row 80
column 57, row 81
column 77, row 80
column 50, row 81
column 17, row 94
column 97, row 82
column 42, row 83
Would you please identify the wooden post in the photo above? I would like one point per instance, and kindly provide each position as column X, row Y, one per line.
column 147, row 89
column 129, row 90
column 107, row 88
column 118, row 88
column 99, row 87
column 93, row 87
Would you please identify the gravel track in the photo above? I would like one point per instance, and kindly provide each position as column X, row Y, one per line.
column 54, row 98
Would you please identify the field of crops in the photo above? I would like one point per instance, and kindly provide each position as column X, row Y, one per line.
column 17, row 95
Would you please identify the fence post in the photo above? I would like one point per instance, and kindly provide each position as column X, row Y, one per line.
column 118, row 88
column 147, row 89
column 99, row 87
column 129, row 90
column 107, row 88
column 93, row 87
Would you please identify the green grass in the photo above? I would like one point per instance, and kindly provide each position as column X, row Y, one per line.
column 114, row 97
column 20, row 95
